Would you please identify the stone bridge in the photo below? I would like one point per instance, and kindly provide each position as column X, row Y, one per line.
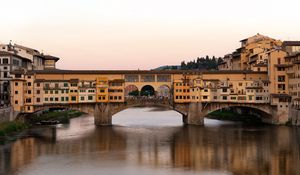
column 192, row 113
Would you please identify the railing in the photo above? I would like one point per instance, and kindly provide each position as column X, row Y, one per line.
column 151, row 100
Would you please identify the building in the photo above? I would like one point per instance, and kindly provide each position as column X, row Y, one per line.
column 226, row 64
column 19, row 58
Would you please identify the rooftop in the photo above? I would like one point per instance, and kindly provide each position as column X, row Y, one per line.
column 290, row 43
column 58, row 71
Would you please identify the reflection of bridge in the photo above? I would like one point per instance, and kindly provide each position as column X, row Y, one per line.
column 228, row 149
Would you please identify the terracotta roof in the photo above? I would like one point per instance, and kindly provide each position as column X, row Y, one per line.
column 25, row 48
column 117, row 81
column 49, row 57
column 187, row 72
column 4, row 53
column 290, row 43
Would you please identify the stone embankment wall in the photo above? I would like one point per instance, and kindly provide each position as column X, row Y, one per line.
column 295, row 116
column 7, row 114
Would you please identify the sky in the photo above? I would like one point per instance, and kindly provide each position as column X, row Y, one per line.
column 142, row 34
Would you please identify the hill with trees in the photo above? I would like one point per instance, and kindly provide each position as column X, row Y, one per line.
column 201, row 63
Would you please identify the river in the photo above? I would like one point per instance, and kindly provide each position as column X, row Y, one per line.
column 151, row 141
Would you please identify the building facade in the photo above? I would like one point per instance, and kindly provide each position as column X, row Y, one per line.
column 19, row 58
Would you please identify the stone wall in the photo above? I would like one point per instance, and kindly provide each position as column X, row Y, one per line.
column 295, row 116
column 7, row 114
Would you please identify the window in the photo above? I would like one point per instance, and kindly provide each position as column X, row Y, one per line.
column 16, row 102
column 51, row 92
column 29, row 91
column 280, row 69
column 5, row 74
column 82, row 98
column 38, row 100
column 102, row 90
column 73, row 98
column 224, row 97
column 281, row 78
column 65, row 84
column 56, row 85
column 67, row 98
column 204, row 97
column 28, row 100
column 51, row 98
column 90, row 97
column 5, row 61
column 46, row 99
column 29, row 77
column 16, row 92
column 16, row 83
column 56, row 98
column 38, row 84
column 281, row 86
column 46, row 92
column 38, row 91
column 62, row 99
column 29, row 84
column 56, row 92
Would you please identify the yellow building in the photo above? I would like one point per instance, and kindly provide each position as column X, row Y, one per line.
column 293, row 72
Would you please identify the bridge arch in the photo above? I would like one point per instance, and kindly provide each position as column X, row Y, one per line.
column 147, row 90
column 131, row 90
column 262, row 111
column 164, row 91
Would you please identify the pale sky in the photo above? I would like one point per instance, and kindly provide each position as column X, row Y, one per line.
column 140, row 34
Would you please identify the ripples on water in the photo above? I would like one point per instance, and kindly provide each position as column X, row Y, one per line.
column 150, row 141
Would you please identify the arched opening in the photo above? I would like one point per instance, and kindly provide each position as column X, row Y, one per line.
column 141, row 116
column 164, row 91
column 147, row 90
column 241, row 114
column 131, row 90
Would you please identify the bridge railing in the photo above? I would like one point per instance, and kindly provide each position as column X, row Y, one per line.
column 151, row 100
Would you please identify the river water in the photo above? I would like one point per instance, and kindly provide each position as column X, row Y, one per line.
column 150, row 141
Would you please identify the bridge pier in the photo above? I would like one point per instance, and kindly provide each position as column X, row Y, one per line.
column 194, row 115
column 102, row 114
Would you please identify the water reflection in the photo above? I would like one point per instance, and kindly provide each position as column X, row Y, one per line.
column 166, row 147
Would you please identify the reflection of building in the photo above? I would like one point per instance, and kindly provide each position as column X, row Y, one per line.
column 204, row 149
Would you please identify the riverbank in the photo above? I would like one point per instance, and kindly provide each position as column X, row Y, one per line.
column 230, row 115
column 10, row 128
column 54, row 117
